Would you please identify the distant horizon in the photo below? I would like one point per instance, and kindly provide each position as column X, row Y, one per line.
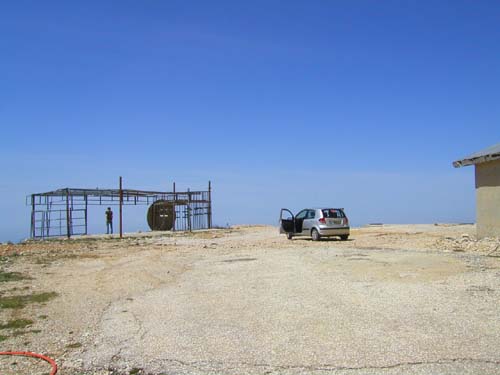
column 218, row 227
column 146, row 229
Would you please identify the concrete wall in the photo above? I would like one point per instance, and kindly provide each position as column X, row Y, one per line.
column 488, row 199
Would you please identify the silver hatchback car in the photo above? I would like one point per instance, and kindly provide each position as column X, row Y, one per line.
column 315, row 222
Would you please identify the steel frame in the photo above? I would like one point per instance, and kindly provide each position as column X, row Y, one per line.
column 64, row 212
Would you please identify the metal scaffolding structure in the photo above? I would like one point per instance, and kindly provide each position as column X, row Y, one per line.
column 64, row 212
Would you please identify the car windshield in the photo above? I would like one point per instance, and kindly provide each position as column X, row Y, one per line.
column 333, row 213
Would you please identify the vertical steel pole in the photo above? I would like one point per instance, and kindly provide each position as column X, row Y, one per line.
column 175, row 204
column 47, row 214
column 189, row 210
column 33, row 223
column 68, row 224
column 121, row 208
column 209, row 205
column 86, row 215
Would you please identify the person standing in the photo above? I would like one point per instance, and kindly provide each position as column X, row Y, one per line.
column 109, row 221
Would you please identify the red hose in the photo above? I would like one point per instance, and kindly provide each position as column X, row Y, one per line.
column 29, row 354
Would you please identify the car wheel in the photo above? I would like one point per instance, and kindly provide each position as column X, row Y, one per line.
column 289, row 236
column 315, row 235
column 344, row 237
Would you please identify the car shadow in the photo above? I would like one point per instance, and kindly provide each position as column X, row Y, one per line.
column 324, row 239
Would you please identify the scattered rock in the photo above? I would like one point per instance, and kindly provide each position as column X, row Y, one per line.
column 467, row 242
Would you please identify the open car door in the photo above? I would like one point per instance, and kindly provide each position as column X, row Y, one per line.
column 287, row 221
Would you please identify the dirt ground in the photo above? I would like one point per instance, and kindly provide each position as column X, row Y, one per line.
column 393, row 299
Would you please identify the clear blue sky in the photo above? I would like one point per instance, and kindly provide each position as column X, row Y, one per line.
column 358, row 104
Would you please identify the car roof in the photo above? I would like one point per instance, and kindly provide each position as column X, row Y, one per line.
column 324, row 208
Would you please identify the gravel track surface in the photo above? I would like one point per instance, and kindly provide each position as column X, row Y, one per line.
column 394, row 300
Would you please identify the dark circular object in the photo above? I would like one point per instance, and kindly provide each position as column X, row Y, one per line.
column 161, row 215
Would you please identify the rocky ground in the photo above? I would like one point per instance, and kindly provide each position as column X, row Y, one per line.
column 393, row 299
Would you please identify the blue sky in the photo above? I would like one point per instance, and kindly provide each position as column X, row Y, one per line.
column 358, row 104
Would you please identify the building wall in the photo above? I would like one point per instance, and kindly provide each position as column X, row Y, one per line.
column 488, row 199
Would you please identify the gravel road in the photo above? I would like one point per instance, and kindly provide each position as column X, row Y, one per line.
column 247, row 301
